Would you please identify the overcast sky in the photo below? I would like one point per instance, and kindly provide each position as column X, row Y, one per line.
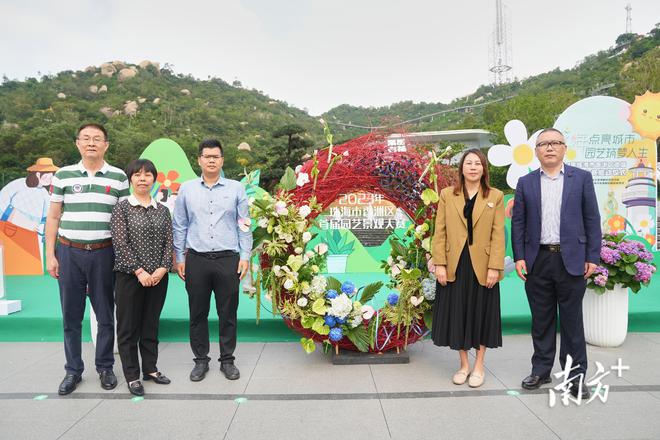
column 315, row 54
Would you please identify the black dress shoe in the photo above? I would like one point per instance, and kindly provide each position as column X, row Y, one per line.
column 108, row 379
column 199, row 371
column 159, row 378
column 533, row 382
column 230, row 370
column 136, row 388
column 68, row 384
column 577, row 390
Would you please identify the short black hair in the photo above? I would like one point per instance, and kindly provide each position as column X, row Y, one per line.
column 141, row 164
column 93, row 125
column 210, row 143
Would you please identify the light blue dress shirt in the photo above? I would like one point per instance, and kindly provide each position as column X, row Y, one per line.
column 552, row 189
column 206, row 219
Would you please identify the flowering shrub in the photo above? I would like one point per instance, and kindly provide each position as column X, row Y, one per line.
column 624, row 262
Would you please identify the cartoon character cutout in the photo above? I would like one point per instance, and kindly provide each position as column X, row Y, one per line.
column 645, row 115
column 24, row 202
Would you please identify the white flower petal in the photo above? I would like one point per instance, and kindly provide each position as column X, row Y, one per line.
column 515, row 132
column 515, row 172
column 500, row 155
column 532, row 138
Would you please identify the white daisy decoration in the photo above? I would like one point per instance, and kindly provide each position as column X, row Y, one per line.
column 519, row 153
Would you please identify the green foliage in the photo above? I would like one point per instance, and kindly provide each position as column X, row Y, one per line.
column 359, row 336
column 288, row 180
column 35, row 123
column 372, row 330
column 624, row 271
column 369, row 291
column 333, row 284
column 429, row 196
column 308, row 345
column 641, row 75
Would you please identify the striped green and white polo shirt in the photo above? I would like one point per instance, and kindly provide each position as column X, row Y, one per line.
column 87, row 201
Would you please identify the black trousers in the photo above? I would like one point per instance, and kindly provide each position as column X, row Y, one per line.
column 549, row 286
column 138, row 316
column 85, row 273
column 219, row 275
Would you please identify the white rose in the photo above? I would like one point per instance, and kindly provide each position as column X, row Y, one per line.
column 302, row 301
column 306, row 236
column 288, row 284
column 280, row 208
column 304, row 211
column 302, row 179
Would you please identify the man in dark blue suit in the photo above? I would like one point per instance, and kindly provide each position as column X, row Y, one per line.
column 556, row 238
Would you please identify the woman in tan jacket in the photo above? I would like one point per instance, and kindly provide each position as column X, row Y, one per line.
column 468, row 253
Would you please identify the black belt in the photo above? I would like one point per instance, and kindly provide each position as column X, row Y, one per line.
column 213, row 255
column 551, row 247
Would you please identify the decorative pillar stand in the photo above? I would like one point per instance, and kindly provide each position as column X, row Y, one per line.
column 7, row 306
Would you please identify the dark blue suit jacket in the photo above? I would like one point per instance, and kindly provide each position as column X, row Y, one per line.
column 580, row 234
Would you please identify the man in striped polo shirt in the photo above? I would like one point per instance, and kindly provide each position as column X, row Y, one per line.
column 79, row 251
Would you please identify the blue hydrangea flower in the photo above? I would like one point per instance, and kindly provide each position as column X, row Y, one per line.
column 393, row 299
column 336, row 334
column 428, row 288
column 348, row 287
column 330, row 320
column 330, row 294
column 340, row 321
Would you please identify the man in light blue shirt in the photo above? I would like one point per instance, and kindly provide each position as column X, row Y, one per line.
column 212, row 242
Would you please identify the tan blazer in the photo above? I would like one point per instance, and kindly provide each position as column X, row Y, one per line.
column 487, row 250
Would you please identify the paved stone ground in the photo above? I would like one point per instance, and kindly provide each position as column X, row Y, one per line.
column 285, row 393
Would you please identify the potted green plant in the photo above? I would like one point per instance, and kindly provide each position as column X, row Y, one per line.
column 339, row 248
column 624, row 264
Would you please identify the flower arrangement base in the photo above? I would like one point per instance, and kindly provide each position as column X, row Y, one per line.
column 605, row 317
column 359, row 358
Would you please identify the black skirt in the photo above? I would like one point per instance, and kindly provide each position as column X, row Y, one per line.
column 466, row 314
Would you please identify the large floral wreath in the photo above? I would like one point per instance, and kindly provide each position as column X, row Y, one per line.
column 321, row 308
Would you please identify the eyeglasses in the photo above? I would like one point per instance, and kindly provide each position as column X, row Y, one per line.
column 211, row 157
column 95, row 140
column 553, row 144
